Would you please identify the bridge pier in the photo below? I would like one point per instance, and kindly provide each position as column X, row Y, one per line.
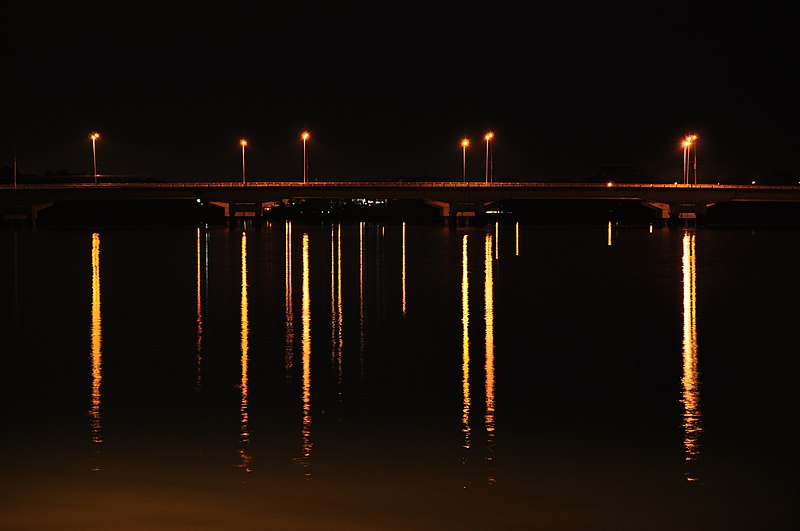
column 663, row 210
column 683, row 213
column 443, row 206
column 678, row 213
column 671, row 202
column 241, row 212
column 27, row 214
column 457, row 213
column 462, row 219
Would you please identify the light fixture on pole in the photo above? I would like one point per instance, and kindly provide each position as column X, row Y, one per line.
column 305, row 136
column 464, row 146
column 488, row 137
column 685, row 145
column 688, row 162
column 243, row 143
column 94, row 137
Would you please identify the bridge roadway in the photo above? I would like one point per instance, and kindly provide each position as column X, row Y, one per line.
column 452, row 198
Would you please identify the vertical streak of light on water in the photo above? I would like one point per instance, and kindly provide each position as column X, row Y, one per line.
column 404, row 268
column 378, row 259
column 497, row 240
column 16, row 279
column 245, row 333
column 199, row 345
column 690, row 380
column 207, row 237
column 361, row 293
column 340, row 323
column 336, row 302
column 289, row 296
column 609, row 234
column 516, row 234
column 306, row 313
column 465, row 427
column 97, row 354
column 489, row 366
column 334, row 319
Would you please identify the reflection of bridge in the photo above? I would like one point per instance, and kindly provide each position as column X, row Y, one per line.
column 453, row 199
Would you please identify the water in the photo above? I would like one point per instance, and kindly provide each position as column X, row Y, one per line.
column 398, row 376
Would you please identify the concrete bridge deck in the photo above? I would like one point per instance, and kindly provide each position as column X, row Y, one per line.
column 452, row 198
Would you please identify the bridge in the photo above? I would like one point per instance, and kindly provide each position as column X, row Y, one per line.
column 670, row 201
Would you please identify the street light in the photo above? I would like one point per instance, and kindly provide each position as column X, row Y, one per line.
column 685, row 145
column 488, row 137
column 305, row 136
column 464, row 146
column 243, row 143
column 688, row 142
column 94, row 137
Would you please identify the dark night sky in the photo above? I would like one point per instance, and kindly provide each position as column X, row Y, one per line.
column 388, row 90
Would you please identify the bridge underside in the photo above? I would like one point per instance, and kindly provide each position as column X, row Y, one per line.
column 453, row 201
column 664, row 212
column 459, row 212
column 454, row 212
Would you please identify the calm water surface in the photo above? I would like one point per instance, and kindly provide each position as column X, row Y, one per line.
column 399, row 376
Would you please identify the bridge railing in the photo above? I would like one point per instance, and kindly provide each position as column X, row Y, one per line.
column 388, row 184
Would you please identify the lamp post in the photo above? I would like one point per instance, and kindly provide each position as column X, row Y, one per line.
column 685, row 145
column 464, row 146
column 243, row 143
column 94, row 137
column 688, row 142
column 488, row 137
column 305, row 136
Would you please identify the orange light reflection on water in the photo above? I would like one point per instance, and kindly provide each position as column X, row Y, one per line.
column 690, row 381
column 362, row 339
column 246, row 459
column 465, row 427
column 306, row 316
column 289, row 295
column 96, row 342
column 404, row 268
column 497, row 240
column 336, row 301
column 199, row 345
column 489, row 365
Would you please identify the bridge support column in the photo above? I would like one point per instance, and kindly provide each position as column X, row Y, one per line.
column 467, row 212
column 663, row 210
column 443, row 206
column 226, row 207
column 457, row 214
column 28, row 214
column 462, row 219
column 240, row 211
column 688, row 212
column 228, row 212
